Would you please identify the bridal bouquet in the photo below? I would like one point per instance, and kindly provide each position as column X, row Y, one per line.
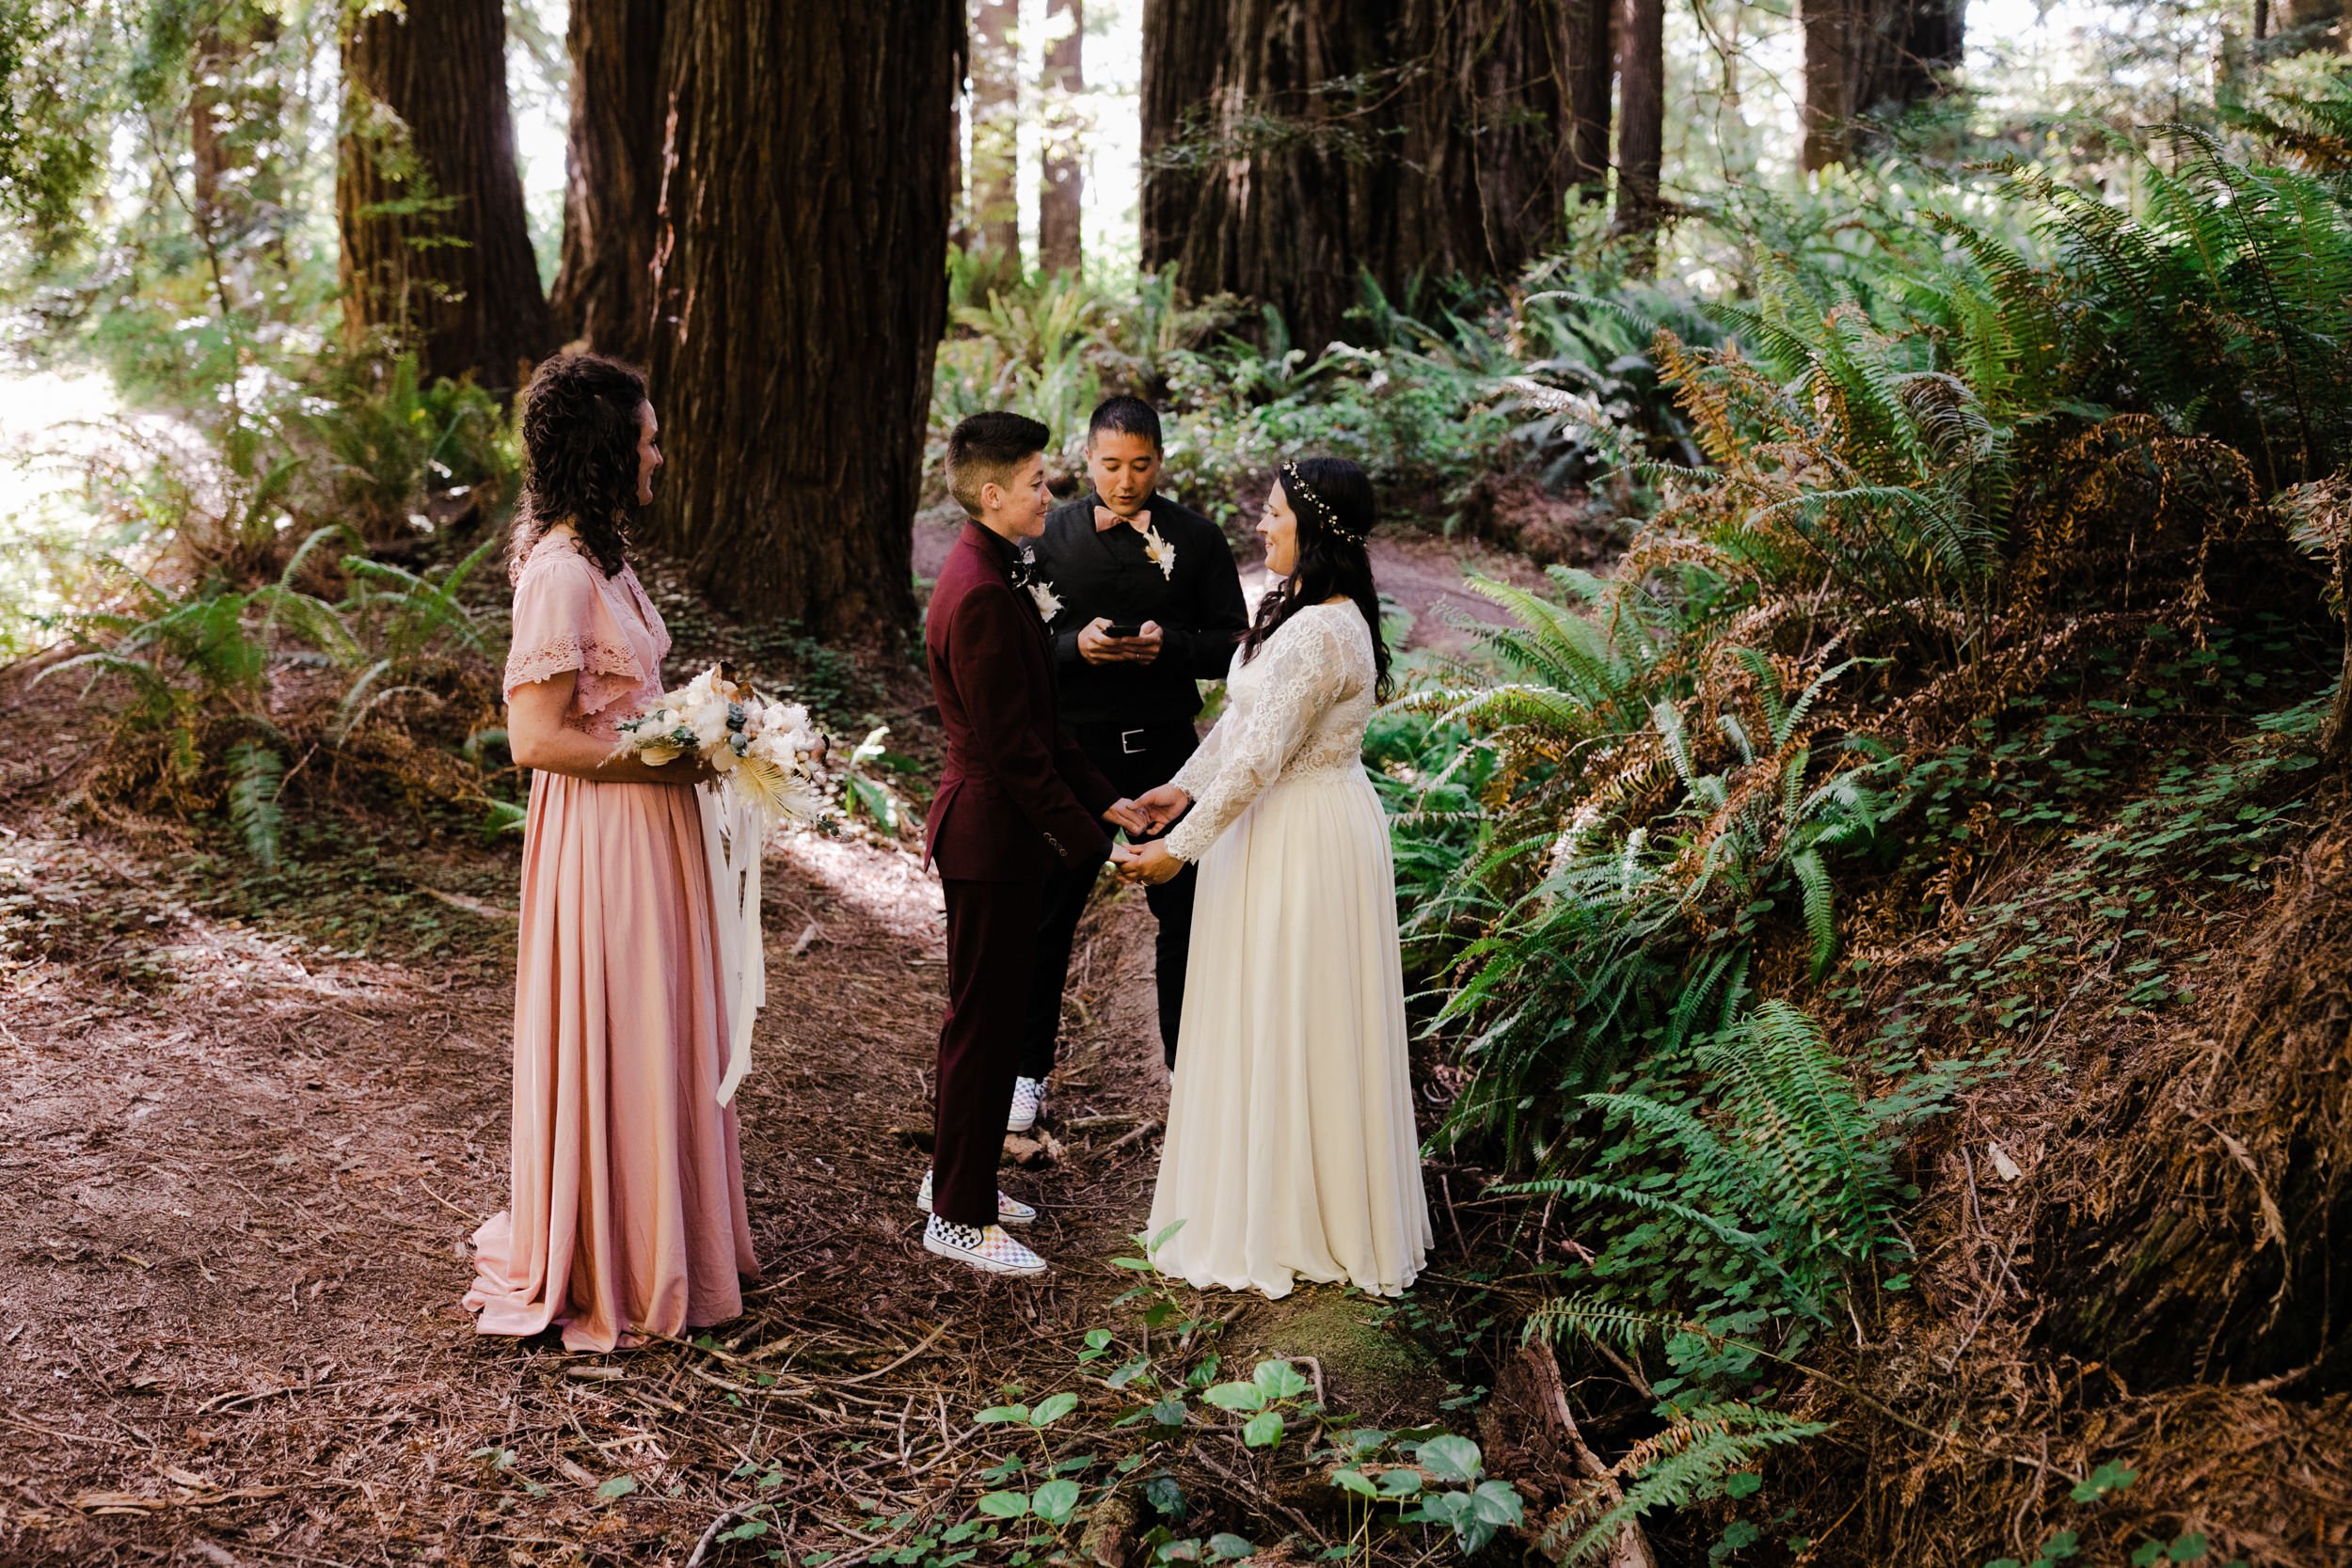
column 763, row 749
column 765, row 754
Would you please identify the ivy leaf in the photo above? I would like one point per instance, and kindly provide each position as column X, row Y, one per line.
column 1497, row 1502
column 1451, row 1458
column 1052, row 1409
column 1399, row 1482
column 2106, row 1478
column 1056, row 1500
column 618, row 1486
column 996, row 1413
column 1263, row 1430
column 1348, row 1480
column 1280, row 1379
column 1004, row 1505
column 1230, row 1547
column 1166, row 1496
column 1236, row 1396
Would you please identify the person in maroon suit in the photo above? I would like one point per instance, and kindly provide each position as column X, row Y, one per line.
column 1016, row 799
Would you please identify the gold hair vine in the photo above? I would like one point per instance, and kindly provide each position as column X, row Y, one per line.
column 1331, row 524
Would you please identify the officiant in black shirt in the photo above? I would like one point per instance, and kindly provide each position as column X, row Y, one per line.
column 1151, row 604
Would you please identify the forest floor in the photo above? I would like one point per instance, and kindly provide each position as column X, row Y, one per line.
column 252, row 1122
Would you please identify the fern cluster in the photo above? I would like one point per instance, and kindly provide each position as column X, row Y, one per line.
column 1922, row 489
column 199, row 721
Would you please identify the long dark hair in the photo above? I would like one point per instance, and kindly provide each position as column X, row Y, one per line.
column 580, row 456
column 1331, row 555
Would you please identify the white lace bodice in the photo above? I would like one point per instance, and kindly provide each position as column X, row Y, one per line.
column 1298, row 710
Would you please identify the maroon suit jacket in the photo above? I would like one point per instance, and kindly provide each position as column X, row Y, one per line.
column 1016, row 795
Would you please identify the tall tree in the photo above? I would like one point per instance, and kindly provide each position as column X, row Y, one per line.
column 603, row 290
column 799, row 291
column 1182, row 46
column 995, row 130
column 428, row 198
column 1641, row 113
column 1332, row 138
column 1872, row 58
column 1587, row 64
column 1059, row 246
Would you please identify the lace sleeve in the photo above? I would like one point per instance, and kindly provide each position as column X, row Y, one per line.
column 1199, row 767
column 563, row 623
column 1307, row 672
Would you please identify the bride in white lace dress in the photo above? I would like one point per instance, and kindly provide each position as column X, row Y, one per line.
column 1291, row 1151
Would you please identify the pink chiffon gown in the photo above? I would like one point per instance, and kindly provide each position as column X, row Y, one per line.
column 627, row 1215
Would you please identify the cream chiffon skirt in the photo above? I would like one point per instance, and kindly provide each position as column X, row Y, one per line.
column 628, row 1213
column 1291, row 1151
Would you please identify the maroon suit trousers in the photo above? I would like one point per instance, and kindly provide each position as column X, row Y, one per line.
column 992, row 946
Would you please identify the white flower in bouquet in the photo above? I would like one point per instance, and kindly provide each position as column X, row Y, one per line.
column 1048, row 602
column 765, row 750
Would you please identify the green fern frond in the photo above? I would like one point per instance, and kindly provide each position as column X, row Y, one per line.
column 256, row 773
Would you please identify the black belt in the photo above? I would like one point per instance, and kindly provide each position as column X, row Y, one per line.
column 1133, row 739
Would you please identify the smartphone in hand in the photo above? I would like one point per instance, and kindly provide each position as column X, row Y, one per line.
column 1123, row 629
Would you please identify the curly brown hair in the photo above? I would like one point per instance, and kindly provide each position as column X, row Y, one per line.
column 580, row 456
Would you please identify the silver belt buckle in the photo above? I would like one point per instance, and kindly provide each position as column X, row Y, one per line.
column 1126, row 738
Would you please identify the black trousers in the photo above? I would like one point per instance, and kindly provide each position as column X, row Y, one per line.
column 1134, row 760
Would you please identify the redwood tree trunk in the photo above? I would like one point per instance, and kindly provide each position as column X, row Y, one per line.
column 603, row 292
column 799, row 292
column 1871, row 57
column 1641, row 113
column 1183, row 46
column 1588, row 62
column 428, row 198
column 1339, row 137
column 995, row 130
column 1059, row 219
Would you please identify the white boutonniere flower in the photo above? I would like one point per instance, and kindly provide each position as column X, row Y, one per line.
column 1048, row 602
column 1159, row 551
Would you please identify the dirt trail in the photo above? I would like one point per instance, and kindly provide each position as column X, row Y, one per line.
column 241, row 1171
column 252, row 1121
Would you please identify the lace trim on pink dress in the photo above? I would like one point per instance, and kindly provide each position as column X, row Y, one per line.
column 569, row 616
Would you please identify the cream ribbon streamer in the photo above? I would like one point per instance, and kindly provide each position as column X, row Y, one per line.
column 734, row 831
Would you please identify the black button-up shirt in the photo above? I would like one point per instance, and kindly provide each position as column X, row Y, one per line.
column 1199, row 605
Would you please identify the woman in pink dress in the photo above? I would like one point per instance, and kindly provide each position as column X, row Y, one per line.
column 628, row 1216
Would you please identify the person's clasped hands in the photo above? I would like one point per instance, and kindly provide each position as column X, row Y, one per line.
column 1150, row 861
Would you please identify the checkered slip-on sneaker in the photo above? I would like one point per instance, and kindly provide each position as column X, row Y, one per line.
column 1010, row 1211
column 1028, row 1099
column 988, row 1249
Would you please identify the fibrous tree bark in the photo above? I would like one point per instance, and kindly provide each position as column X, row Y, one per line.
column 603, row 292
column 1872, row 58
column 435, row 253
column 995, row 130
column 1059, row 246
column 1293, row 145
column 1182, row 46
column 1587, row 63
column 1641, row 113
column 799, row 292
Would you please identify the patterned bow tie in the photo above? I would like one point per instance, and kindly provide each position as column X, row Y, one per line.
column 1105, row 520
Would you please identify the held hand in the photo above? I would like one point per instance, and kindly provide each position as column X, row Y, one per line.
column 1162, row 806
column 1124, row 812
column 1146, row 862
column 1145, row 645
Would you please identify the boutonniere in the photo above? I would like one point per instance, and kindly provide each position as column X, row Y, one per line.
column 1159, row 551
column 1024, row 575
